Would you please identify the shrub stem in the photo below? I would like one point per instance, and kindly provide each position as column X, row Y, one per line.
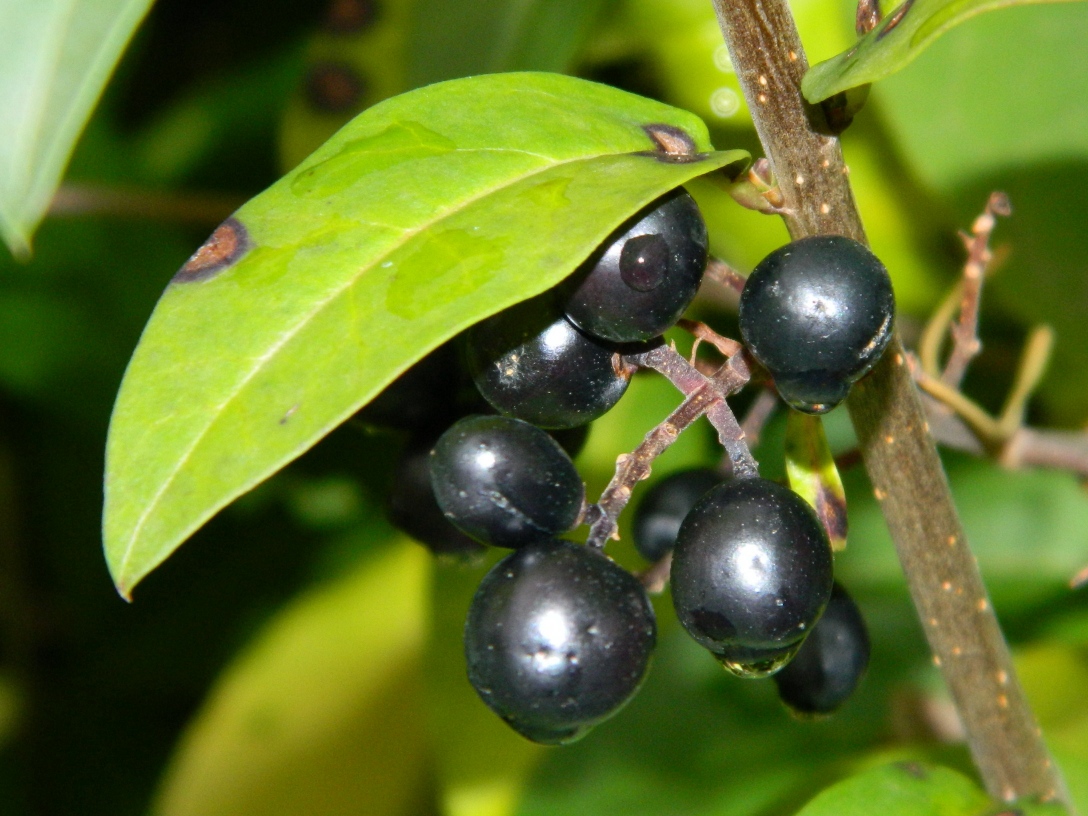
column 908, row 479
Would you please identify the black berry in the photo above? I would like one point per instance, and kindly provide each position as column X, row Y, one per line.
column 531, row 363
column 831, row 661
column 504, row 481
column 751, row 573
column 817, row 314
column 659, row 515
column 412, row 507
column 558, row 638
column 645, row 274
column 572, row 440
column 428, row 396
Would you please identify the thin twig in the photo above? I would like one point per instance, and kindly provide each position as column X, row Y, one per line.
column 761, row 409
column 631, row 468
column 965, row 341
column 1029, row 373
column 724, row 275
column 657, row 576
column 703, row 333
column 704, row 395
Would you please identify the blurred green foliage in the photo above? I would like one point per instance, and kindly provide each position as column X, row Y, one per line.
column 108, row 708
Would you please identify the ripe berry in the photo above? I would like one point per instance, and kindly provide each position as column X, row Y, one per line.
column 831, row 661
column 429, row 395
column 572, row 440
column 644, row 275
column 558, row 639
column 751, row 573
column 531, row 363
column 411, row 505
column 817, row 313
column 504, row 481
column 659, row 515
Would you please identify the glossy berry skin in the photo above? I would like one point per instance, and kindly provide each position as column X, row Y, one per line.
column 505, row 482
column 751, row 574
column 817, row 314
column 831, row 661
column 558, row 639
column 659, row 515
column 572, row 440
column 411, row 505
column 644, row 275
column 531, row 363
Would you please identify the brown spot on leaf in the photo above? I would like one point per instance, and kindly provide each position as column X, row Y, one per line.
column 227, row 244
column 894, row 19
column 914, row 769
column 672, row 145
column 334, row 87
column 350, row 16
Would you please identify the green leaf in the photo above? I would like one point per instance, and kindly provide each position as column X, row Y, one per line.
column 507, row 35
column 323, row 713
column 957, row 116
column 903, row 34
column 813, row 475
column 428, row 213
column 901, row 789
column 56, row 58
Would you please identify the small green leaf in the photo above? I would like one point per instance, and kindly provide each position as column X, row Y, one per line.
column 56, row 58
column 901, row 789
column 426, row 214
column 323, row 713
column 813, row 475
column 902, row 35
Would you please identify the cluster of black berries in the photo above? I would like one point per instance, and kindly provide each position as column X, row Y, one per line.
column 752, row 583
column 558, row 636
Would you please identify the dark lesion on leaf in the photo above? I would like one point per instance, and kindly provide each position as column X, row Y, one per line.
column 334, row 87
column 671, row 144
column 227, row 244
column 894, row 19
column 351, row 16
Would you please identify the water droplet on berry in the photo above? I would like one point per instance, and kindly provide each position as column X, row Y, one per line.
column 760, row 668
column 644, row 262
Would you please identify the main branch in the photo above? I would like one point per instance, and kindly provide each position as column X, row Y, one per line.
column 906, row 473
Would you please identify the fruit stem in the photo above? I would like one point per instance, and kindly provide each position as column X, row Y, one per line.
column 900, row 456
column 704, row 395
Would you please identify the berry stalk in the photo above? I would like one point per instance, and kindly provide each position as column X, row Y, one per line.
column 899, row 453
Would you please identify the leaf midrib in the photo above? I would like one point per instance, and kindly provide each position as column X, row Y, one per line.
column 400, row 242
